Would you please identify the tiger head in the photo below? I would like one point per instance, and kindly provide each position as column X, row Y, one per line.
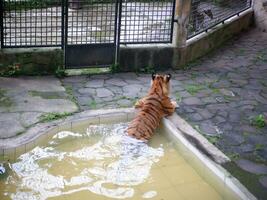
column 160, row 84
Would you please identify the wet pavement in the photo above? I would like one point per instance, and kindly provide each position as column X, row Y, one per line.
column 223, row 96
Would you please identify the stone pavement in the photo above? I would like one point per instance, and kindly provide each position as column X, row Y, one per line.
column 24, row 100
column 222, row 95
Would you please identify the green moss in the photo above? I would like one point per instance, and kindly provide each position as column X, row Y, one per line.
column 193, row 89
column 146, row 70
column 259, row 147
column 92, row 104
column 71, row 97
column 259, row 121
column 261, row 56
column 233, row 156
column 191, row 64
column 4, row 100
column 178, row 97
column 214, row 139
column 87, row 71
column 46, row 117
column 251, row 181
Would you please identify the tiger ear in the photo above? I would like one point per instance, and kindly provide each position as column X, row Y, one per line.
column 153, row 76
column 168, row 77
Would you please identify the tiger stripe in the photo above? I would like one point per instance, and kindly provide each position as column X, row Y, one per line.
column 153, row 107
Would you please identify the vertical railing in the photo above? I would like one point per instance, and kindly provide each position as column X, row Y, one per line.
column 193, row 17
column 1, row 23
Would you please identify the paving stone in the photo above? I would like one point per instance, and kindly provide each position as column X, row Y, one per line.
column 205, row 113
column 132, row 90
column 116, row 90
column 234, row 116
column 125, row 103
column 221, row 84
column 177, row 89
column 10, row 128
column 263, row 181
column 176, row 83
column 218, row 119
column 87, row 91
column 234, row 138
column 116, row 82
column 252, row 167
column 101, row 76
column 246, row 148
column 103, row 92
column 132, row 81
column 84, row 100
column 30, row 118
column 95, row 83
column 192, row 101
column 208, row 128
column 184, row 94
column 74, row 79
column 37, row 104
column 41, row 84
column 208, row 100
column 195, row 117
column 186, row 109
column 227, row 92
column 239, row 82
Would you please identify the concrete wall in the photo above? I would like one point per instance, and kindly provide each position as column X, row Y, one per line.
column 31, row 61
column 135, row 57
column 260, row 13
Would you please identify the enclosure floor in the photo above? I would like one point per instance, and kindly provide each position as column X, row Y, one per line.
column 219, row 95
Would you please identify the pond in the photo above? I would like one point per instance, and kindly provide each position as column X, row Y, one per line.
column 101, row 162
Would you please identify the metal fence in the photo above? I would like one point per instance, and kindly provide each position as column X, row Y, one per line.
column 147, row 21
column 92, row 22
column 31, row 23
column 206, row 14
column 46, row 23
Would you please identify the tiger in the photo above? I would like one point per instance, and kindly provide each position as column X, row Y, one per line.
column 152, row 108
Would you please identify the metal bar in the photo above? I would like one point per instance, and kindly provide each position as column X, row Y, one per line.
column 66, row 30
column 1, row 22
column 118, row 33
column 142, row 42
column 62, row 24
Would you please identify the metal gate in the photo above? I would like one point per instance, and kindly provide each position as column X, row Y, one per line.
column 90, row 33
column 94, row 29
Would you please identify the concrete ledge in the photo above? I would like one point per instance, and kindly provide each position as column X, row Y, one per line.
column 164, row 56
column 31, row 61
column 13, row 147
column 212, row 172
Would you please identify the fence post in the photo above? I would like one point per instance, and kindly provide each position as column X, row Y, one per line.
column 1, row 24
column 182, row 15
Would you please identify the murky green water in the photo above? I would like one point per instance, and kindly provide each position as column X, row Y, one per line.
column 103, row 163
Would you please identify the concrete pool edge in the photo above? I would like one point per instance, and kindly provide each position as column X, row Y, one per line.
column 211, row 167
column 178, row 127
column 41, row 131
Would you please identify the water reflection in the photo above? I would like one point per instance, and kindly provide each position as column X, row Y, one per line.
column 103, row 160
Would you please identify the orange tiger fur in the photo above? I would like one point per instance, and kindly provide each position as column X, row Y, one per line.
column 153, row 108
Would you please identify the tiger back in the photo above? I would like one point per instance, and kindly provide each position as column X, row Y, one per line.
column 153, row 108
